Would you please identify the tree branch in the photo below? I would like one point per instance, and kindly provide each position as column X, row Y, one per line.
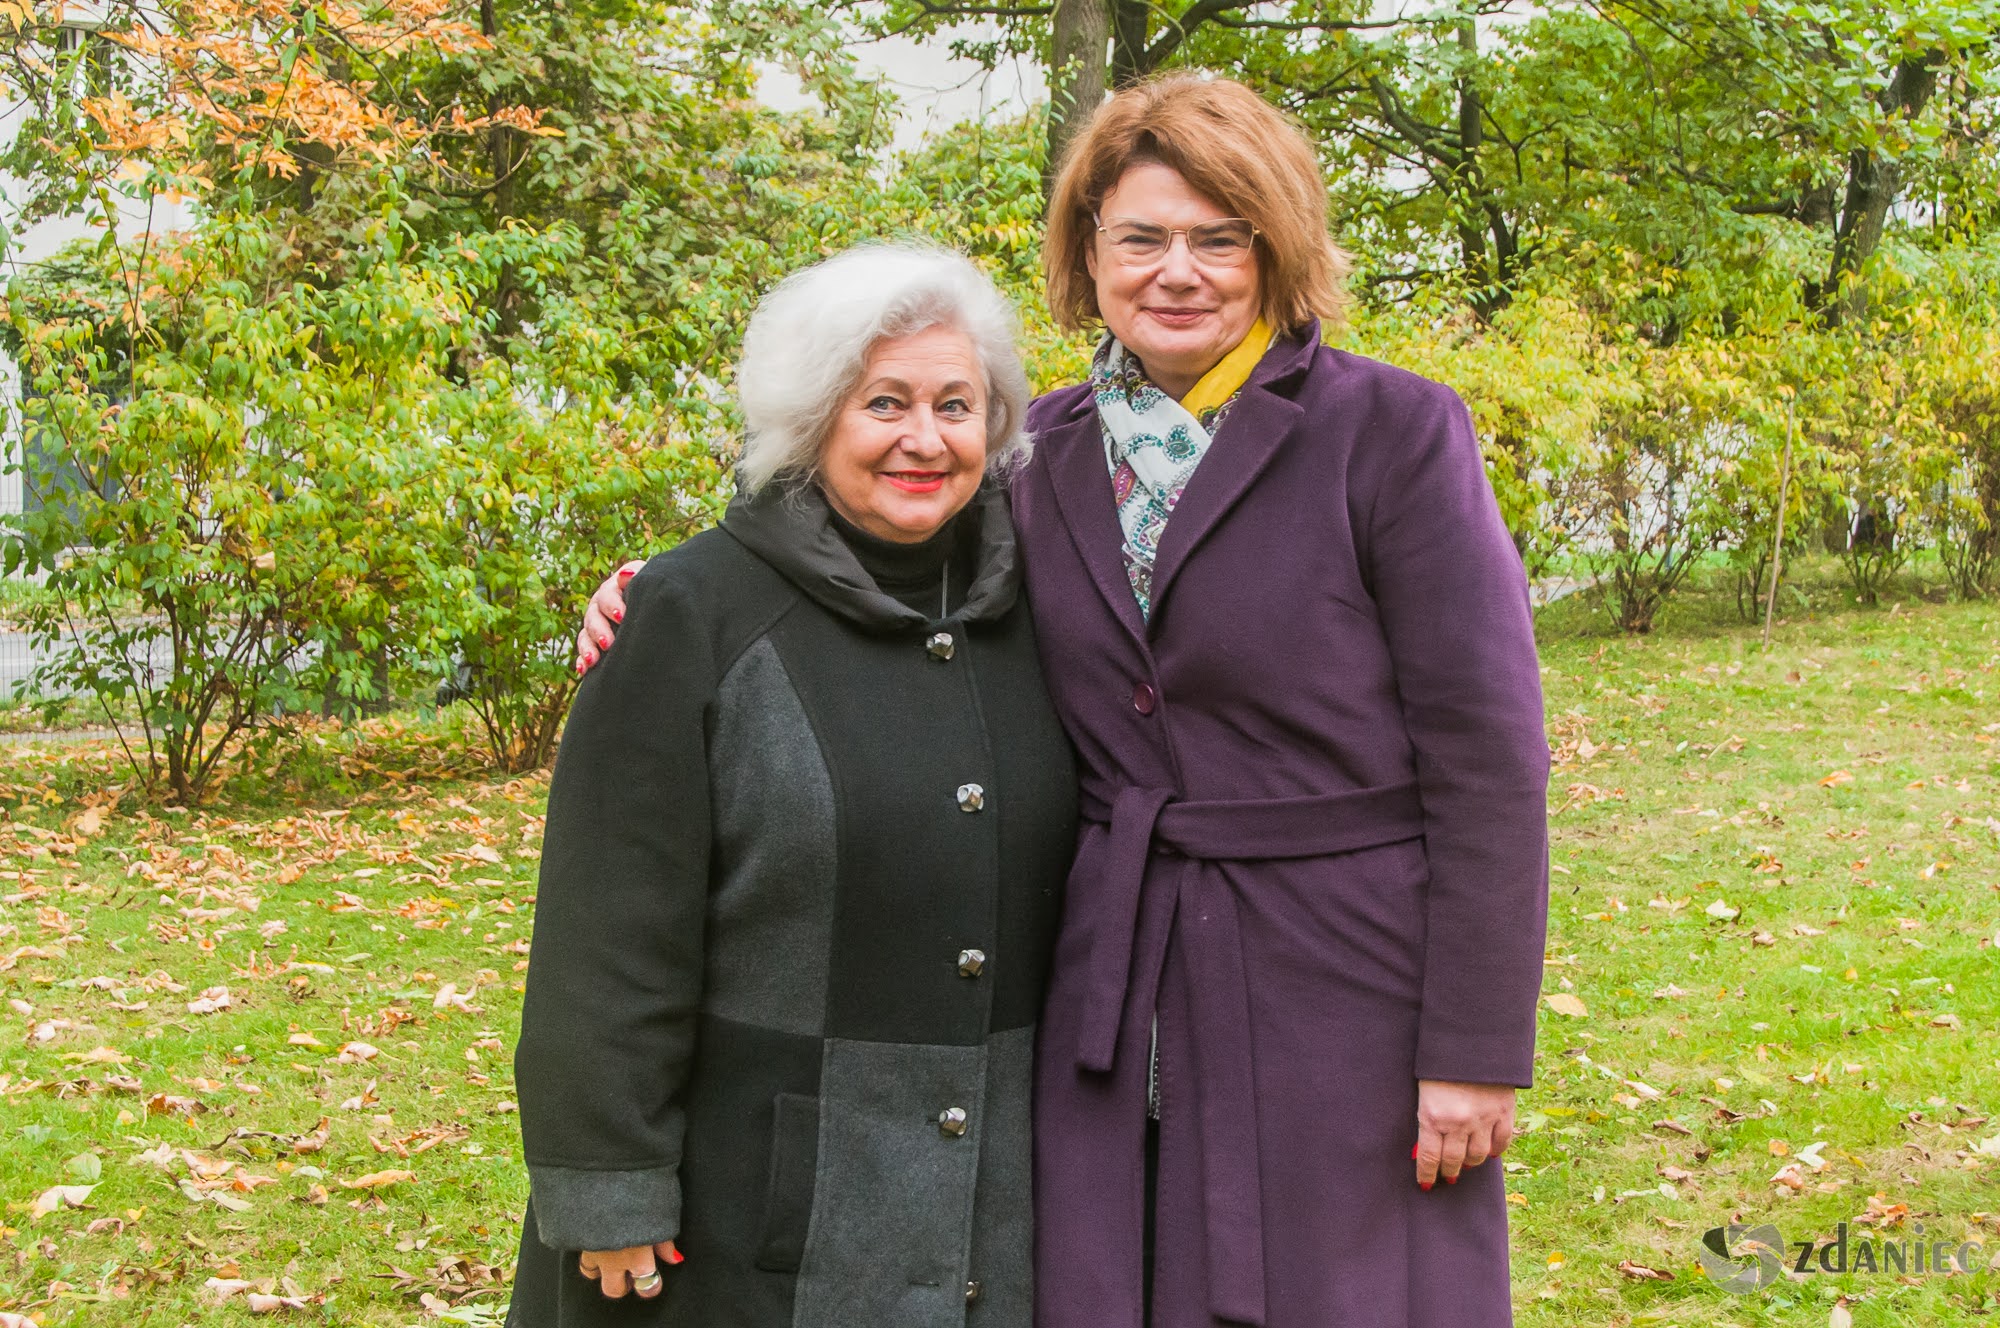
column 1181, row 28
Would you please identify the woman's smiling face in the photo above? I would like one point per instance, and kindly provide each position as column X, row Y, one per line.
column 908, row 447
column 1179, row 316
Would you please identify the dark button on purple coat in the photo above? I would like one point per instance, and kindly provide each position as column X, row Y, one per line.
column 1322, row 870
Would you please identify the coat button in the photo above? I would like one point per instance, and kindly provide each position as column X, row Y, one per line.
column 972, row 1290
column 1144, row 698
column 951, row 1121
column 970, row 962
column 940, row 645
column 971, row 797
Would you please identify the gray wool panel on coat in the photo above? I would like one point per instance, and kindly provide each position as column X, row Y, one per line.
column 889, row 1238
column 578, row 1209
column 1003, row 1229
column 772, row 801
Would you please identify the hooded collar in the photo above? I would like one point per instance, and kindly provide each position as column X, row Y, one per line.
column 791, row 528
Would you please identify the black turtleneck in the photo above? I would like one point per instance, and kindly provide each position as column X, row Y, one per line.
column 910, row 573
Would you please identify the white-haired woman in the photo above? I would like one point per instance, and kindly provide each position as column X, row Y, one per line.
column 805, row 847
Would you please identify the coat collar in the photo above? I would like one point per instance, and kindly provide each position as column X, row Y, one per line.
column 791, row 528
column 1263, row 417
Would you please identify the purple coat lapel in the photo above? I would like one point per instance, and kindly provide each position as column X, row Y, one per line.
column 1082, row 484
column 1256, row 427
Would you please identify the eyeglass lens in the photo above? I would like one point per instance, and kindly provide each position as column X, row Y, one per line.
column 1226, row 241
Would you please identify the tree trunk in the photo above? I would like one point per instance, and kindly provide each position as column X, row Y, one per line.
column 1128, row 42
column 1082, row 29
column 500, row 153
column 1873, row 182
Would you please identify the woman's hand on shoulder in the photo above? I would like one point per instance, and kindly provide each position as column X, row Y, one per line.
column 602, row 616
column 619, row 1272
column 1459, row 1126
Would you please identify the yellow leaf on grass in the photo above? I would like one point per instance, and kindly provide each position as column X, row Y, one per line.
column 1837, row 777
column 98, row 1056
column 1563, row 1002
column 376, row 1180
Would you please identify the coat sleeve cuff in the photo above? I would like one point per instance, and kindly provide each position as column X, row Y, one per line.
column 1474, row 1059
column 605, row 1210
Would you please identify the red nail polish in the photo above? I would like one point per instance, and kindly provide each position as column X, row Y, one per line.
column 1451, row 1180
column 604, row 642
column 1424, row 1185
column 580, row 667
column 675, row 1256
column 618, row 615
column 1413, row 1150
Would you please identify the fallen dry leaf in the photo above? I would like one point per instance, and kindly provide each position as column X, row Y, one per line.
column 218, row 1289
column 263, row 1303
column 1564, row 1003
column 210, row 1001
column 1639, row 1272
column 59, row 1196
column 1883, row 1214
column 376, row 1180
column 98, row 1056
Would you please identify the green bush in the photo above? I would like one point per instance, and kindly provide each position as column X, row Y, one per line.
column 259, row 491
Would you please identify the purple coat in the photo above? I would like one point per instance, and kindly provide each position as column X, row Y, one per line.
column 1316, row 849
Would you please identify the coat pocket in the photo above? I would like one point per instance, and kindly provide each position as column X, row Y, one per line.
column 788, row 1196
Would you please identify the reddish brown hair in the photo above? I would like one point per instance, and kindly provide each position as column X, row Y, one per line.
column 1230, row 145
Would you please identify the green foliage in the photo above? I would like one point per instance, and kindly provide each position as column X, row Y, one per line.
column 217, row 480
column 262, row 489
column 548, row 473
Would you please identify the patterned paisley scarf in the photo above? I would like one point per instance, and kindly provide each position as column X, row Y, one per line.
column 1153, row 443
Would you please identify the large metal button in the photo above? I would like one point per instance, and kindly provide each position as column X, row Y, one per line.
column 951, row 1121
column 970, row 962
column 940, row 645
column 972, row 1290
column 1144, row 698
column 971, row 797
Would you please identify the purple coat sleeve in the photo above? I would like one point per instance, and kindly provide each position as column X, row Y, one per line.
column 1454, row 608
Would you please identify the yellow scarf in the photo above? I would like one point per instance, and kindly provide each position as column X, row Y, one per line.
column 1227, row 377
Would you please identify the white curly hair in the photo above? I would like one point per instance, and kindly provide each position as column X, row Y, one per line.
column 809, row 340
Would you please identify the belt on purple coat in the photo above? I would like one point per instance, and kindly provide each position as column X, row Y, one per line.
column 1142, row 820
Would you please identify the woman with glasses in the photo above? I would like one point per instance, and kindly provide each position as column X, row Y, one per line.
column 1286, row 629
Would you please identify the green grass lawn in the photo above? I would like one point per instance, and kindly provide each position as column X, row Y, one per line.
column 1771, row 998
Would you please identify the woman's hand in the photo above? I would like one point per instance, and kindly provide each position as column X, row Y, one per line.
column 618, row 1271
column 601, row 618
column 1459, row 1126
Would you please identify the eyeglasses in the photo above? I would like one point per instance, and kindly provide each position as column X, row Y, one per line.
column 1225, row 242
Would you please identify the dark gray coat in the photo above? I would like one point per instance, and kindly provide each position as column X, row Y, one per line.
column 752, row 995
